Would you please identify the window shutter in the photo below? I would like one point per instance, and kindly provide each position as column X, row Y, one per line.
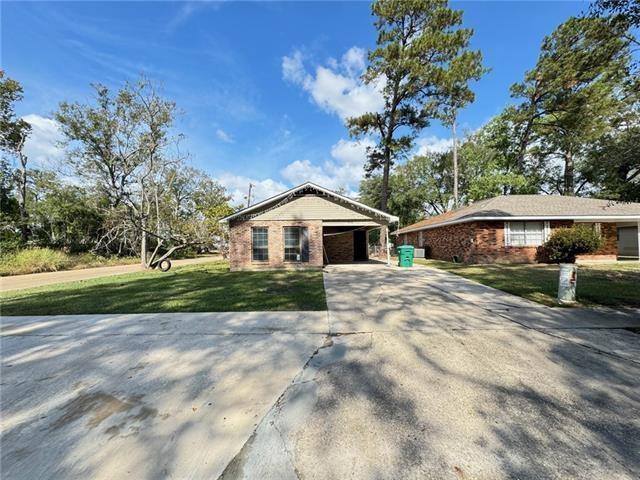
column 304, row 241
column 507, row 234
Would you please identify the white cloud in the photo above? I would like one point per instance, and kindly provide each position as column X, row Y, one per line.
column 344, row 170
column 337, row 87
column 433, row 144
column 42, row 146
column 224, row 136
column 238, row 188
column 293, row 68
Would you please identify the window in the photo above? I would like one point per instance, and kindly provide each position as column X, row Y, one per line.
column 525, row 234
column 296, row 244
column 260, row 243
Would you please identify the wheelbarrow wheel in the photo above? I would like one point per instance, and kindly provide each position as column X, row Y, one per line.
column 165, row 265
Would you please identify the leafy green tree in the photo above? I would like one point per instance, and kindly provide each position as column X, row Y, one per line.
column 122, row 145
column 571, row 96
column 13, row 135
column 64, row 216
column 423, row 63
column 613, row 165
column 9, row 208
column 629, row 10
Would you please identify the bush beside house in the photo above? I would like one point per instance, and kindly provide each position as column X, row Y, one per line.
column 566, row 243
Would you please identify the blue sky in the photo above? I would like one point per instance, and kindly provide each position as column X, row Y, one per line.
column 263, row 87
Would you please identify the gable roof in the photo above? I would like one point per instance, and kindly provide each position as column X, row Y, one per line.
column 309, row 186
column 533, row 207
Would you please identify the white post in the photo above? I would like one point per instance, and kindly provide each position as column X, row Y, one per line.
column 638, row 241
column 386, row 232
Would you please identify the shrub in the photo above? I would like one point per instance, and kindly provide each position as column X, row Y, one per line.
column 33, row 260
column 565, row 243
column 10, row 241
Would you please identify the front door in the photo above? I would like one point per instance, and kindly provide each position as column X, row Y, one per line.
column 360, row 245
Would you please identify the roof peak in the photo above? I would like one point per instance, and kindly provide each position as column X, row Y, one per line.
column 319, row 188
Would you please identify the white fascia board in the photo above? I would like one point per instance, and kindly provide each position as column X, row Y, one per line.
column 350, row 223
column 390, row 218
column 576, row 218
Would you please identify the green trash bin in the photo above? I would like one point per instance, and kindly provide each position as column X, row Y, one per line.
column 405, row 256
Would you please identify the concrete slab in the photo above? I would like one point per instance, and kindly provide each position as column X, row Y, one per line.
column 417, row 382
column 459, row 404
column 160, row 396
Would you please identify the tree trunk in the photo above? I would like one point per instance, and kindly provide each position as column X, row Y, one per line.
column 24, row 231
column 455, row 163
column 143, row 241
column 384, row 197
column 387, row 148
column 569, row 175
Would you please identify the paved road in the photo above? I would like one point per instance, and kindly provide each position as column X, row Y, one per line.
column 413, row 374
column 19, row 282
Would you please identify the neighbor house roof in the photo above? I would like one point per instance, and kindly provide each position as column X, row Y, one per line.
column 533, row 207
column 270, row 202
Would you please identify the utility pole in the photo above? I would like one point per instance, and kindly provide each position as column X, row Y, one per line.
column 249, row 196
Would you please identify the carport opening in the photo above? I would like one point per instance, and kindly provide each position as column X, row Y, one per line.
column 345, row 244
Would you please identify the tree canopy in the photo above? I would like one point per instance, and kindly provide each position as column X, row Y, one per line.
column 423, row 65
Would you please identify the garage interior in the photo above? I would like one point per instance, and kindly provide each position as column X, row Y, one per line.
column 345, row 244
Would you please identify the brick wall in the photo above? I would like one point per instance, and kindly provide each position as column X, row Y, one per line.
column 339, row 248
column 240, row 244
column 489, row 244
column 483, row 242
column 450, row 240
column 609, row 249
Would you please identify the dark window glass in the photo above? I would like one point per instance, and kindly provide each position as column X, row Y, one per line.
column 292, row 250
column 260, row 243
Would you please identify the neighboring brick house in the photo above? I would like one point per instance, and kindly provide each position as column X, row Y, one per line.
column 305, row 227
column 510, row 228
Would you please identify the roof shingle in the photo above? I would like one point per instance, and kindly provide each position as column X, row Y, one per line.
column 506, row 206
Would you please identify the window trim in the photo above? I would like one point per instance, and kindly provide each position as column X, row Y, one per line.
column 546, row 232
column 262, row 260
column 301, row 255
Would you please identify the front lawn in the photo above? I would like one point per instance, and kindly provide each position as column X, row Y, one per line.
column 209, row 287
column 611, row 284
column 38, row 260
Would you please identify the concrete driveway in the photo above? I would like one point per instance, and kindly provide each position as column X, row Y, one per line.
column 427, row 375
column 414, row 374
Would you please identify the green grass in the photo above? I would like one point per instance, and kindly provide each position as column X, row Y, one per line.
column 37, row 260
column 209, row 287
column 613, row 284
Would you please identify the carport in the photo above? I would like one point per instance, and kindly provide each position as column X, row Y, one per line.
column 346, row 243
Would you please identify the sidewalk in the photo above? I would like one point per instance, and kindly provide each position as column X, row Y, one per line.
column 19, row 282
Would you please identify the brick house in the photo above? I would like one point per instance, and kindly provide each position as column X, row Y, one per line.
column 307, row 226
column 510, row 228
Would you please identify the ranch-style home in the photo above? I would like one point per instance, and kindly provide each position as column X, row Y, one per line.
column 509, row 228
column 307, row 226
